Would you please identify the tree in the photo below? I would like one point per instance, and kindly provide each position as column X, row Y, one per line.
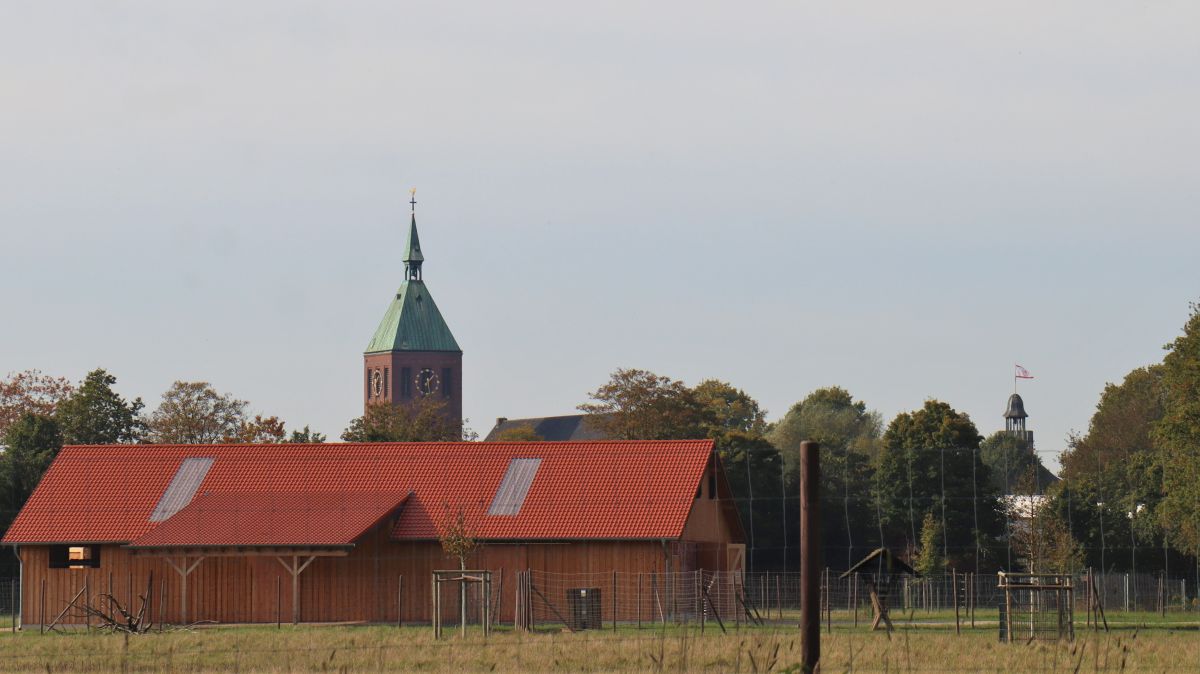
column 1178, row 432
column 32, row 442
column 1112, row 476
column 930, row 463
column 30, row 391
column 848, row 434
column 641, row 405
column 1039, row 536
column 1008, row 458
column 307, row 436
column 929, row 560
column 523, row 433
column 728, row 408
column 423, row 419
column 754, row 470
column 94, row 414
column 194, row 413
column 261, row 430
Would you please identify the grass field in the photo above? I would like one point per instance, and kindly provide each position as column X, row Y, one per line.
column 379, row 648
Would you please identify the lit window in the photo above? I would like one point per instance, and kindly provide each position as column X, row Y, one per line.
column 74, row 556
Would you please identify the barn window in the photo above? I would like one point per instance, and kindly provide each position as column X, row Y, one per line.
column 182, row 488
column 75, row 556
column 510, row 495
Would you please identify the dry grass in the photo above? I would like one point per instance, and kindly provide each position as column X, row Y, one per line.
column 378, row 648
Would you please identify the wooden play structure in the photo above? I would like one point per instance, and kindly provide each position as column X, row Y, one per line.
column 879, row 567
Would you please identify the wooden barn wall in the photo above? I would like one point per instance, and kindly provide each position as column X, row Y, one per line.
column 364, row 586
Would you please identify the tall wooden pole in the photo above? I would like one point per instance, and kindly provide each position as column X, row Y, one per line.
column 810, row 555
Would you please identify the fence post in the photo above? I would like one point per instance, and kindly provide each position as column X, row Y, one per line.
column 1126, row 592
column 399, row 600
column 639, row 601
column 810, row 555
column 954, row 592
column 614, row 600
column 42, row 612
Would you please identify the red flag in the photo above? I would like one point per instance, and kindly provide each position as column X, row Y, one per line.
column 1022, row 373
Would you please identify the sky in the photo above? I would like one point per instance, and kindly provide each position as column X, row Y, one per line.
column 903, row 199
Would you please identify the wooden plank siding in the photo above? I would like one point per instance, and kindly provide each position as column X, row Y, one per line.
column 362, row 586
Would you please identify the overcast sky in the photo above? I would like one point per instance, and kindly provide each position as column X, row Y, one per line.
column 904, row 199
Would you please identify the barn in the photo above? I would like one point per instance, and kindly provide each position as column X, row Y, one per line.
column 349, row 532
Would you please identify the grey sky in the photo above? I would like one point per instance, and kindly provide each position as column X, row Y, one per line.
column 900, row 198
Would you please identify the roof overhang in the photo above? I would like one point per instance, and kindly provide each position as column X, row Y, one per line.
column 241, row 551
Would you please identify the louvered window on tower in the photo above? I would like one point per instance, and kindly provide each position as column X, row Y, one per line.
column 182, row 488
column 405, row 382
column 446, row 372
column 510, row 495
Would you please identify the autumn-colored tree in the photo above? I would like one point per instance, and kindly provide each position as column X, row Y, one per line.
column 641, row 405
column 457, row 534
column 261, row 430
column 94, row 414
column 523, row 433
column 195, row 413
column 424, row 419
column 30, row 391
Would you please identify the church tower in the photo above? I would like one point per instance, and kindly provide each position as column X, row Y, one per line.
column 413, row 353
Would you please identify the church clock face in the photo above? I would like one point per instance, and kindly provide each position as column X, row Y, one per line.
column 427, row 381
column 377, row 383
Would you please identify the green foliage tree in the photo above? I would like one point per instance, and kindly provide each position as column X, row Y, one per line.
column 641, row 405
column 195, row 413
column 30, row 391
column 1112, row 476
column 929, row 560
column 930, row 463
column 1009, row 457
column 32, row 442
column 307, row 436
column 422, row 420
column 1178, row 433
column 849, row 436
column 94, row 414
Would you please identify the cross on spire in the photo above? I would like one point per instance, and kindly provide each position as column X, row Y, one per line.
column 413, row 199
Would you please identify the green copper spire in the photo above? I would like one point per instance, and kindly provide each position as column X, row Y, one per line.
column 412, row 251
column 412, row 321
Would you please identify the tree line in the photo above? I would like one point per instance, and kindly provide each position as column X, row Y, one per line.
column 927, row 485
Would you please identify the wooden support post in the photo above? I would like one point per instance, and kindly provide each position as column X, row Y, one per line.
column 614, row 600
column 810, row 555
column 295, row 569
column 87, row 601
column 854, row 595
column 162, row 604
column 12, row 602
column 954, row 593
column 184, row 571
column 399, row 601
column 639, row 601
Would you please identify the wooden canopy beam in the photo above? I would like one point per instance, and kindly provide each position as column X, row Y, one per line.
column 184, row 570
column 295, row 569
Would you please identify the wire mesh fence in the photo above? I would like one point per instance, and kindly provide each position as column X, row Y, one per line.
column 724, row 599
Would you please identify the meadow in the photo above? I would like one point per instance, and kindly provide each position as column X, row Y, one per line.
column 377, row 648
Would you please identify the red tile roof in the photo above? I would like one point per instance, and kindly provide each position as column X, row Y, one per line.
column 287, row 519
column 582, row 490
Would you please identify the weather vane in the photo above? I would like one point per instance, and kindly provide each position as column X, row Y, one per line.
column 413, row 199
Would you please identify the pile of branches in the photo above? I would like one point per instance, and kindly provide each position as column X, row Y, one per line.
column 116, row 618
